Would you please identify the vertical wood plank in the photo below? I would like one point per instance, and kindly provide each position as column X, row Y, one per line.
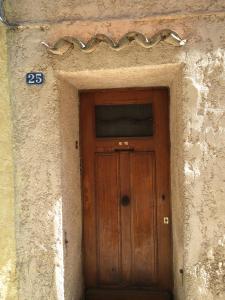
column 143, row 218
column 126, row 250
column 162, row 146
column 108, row 218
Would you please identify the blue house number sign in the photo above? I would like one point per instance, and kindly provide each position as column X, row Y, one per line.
column 35, row 78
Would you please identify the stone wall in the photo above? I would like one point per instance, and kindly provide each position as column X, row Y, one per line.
column 45, row 122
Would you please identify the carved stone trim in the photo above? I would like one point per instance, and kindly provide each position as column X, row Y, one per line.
column 3, row 18
column 2, row 14
column 67, row 42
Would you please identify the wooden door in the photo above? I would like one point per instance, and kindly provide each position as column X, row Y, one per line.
column 126, row 194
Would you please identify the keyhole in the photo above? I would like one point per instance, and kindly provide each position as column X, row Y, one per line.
column 125, row 200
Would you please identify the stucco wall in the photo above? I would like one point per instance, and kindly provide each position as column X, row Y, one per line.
column 38, row 187
column 198, row 162
column 103, row 9
column 8, row 280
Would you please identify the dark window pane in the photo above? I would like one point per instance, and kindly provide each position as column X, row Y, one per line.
column 133, row 120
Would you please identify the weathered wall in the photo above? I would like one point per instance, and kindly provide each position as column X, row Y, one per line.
column 8, row 280
column 38, row 187
column 103, row 9
column 41, row 140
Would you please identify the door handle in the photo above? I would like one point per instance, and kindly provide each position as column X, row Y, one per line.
column 125, row 200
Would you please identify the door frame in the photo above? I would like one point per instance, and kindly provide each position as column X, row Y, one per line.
column 70, row 83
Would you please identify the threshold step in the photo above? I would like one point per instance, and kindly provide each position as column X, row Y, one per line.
column 131, row 294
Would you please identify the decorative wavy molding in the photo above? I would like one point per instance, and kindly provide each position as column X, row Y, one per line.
column 3, row 18
column 2, row 13
column 165, row 35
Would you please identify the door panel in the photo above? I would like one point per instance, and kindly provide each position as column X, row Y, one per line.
column 125, row 213
column 143, row 218
column 108, row 221
column 126, row 194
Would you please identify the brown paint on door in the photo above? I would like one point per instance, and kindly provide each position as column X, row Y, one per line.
column 126, row 195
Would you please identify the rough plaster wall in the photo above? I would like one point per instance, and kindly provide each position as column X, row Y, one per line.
column 72, row 225
column 200, row 152
column 37, row 173
column 102, row 9
column 8, row 280
column 204, row 163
